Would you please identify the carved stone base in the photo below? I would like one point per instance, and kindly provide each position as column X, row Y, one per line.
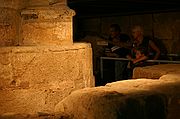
column 40, row 77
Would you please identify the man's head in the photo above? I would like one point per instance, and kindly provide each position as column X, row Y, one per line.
column 137, row 32
column 114, row 30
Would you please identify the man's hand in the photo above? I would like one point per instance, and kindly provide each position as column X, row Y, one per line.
column 111, row 54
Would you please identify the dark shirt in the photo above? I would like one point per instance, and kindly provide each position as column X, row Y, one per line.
column 144, row 45
column 121, row 51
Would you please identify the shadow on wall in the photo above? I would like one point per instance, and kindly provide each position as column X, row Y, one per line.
column 159, row 43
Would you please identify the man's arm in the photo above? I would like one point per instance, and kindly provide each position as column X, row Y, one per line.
column 155, row 48
column 140, row 59
column 121, row 44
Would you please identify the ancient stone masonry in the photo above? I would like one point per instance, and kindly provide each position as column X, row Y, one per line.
column 39, row 63
column 31, row 22
column 9, row 22
column 142, row 98
column 47, row 25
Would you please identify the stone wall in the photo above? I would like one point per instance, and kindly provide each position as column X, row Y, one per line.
column 26, row 67
column 155, row 71
column 29, row 22
column 44, row 24
column 28, row 72
column 39, row 63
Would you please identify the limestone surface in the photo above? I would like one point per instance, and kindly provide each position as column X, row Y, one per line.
column 138, row 98
column 35, row 79
column 155, row 71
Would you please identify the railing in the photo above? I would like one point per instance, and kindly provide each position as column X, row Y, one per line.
column 125, row 59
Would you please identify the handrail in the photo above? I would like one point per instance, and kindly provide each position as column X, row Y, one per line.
column 125, row 59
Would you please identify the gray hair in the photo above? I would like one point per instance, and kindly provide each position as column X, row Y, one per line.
column 139, row 29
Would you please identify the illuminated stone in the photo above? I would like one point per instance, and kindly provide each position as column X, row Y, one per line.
column 47, row 25
column 42, row 66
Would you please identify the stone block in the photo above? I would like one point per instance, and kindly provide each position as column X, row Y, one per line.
column 108, row 103
column 34, row 79
column 130, row 99
column 47, row 25
column 29, row 66
column 155, row 71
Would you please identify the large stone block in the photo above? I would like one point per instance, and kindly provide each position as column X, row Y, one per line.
column 155, row 71
column 113, row 103
column 128, row 99
column 47, row 22
column 30, row 66
column 34, row 79
column 47, row 25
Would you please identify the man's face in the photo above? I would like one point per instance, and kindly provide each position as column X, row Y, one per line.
column 135, row 34
column 113, row 33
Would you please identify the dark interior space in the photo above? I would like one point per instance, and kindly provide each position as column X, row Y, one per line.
column 94, row 16
column 87, row 8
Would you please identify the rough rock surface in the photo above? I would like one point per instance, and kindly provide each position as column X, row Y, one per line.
column 36, row 78
column 39, row 63
column 155, row 71
column 143, row 98
column 47, row 25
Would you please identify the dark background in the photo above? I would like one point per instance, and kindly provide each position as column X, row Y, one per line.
column 121, row 7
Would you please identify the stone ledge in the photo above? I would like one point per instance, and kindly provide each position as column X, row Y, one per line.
column 155, row 71
column 35, row 49
column 125, row 99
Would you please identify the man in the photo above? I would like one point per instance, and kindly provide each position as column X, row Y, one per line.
column 119, row 45
column 145, row 42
